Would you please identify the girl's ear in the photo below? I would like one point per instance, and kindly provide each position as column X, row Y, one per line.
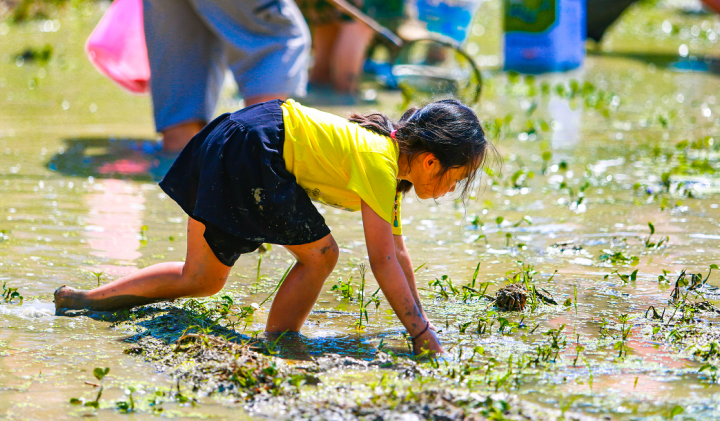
column 429, row 162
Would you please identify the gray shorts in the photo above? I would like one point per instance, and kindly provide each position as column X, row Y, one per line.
column 265, row 43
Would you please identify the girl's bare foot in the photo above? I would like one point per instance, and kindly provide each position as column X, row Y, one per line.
column 69, row 298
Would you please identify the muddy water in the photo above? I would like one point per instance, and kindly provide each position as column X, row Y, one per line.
column 77, row 196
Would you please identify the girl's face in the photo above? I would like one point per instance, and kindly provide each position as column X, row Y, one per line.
column 427, row 181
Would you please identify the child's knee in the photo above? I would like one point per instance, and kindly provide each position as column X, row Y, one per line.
column 328, row 255
column 214, row 286
column 204, row 285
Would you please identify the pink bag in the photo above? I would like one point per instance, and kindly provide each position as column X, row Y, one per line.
column 117, row 46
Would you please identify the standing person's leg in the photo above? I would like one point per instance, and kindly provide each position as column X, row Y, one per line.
column 186, row 70
column 323, row 42
column 176, row 137
column 349, row 55
column 201, row 275
column 301, row 288
column 267, row 44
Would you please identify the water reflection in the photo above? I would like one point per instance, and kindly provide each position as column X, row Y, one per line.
column 114, row 223
column 566, row 129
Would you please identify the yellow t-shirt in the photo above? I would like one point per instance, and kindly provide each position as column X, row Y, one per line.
column 338, row 163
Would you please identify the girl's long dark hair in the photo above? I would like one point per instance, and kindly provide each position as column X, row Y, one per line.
column 448, row 129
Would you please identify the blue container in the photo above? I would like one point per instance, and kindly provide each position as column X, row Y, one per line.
column 451, row 18
column 544, row 35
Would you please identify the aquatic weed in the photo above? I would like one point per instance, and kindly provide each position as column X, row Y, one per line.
column 578, row 350
column 265, row 248
column 444, row 286
column 277, row 286
column 99, row 374
column 648, row 240
column 548, row 352
column 625, row 329
column 345, row 288
column 142, row 236
column 10, row 294
column 155, row 402
column 615, row 258
column 98, row 275
column 270, row 346
column 361, row 300
column 664, row 278
column 128, row 405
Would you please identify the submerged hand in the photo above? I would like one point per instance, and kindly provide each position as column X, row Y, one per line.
column 427, row 341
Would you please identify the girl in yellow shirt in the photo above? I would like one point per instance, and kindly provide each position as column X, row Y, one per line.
column 250, row 177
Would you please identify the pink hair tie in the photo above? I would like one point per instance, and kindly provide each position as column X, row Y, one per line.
column 392, row 133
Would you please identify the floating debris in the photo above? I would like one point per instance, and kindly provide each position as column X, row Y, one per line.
column 511, row 297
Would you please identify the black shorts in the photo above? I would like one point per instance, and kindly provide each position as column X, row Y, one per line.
column 232, row 178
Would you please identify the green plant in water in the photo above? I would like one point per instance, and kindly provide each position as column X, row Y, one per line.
column 503, row 324
column 99, row 374
column 520, row 178
column 470, row 291
column 590, row 373
column 578, row 350
column 664, row 278
column 264, row 248
column 500, row 381
column 625, row 329
column 632, row 277
column 98, row 275
column 712, row 371
column 10, row 294
column 546, row 157
column 128, row 405
column 575, row 200
column 485, row 323
column 362, row 302
column 345, row 289
column 445, row 287
column 712, row 266
column 576, row 300
column 279, row 284
column 155, row 402
column 270, row 346
column 674, row 411
column 618, row 258
column 143, row 235
column 604, row 328
column 549, row 352
column 495, row 410
column 648, row 240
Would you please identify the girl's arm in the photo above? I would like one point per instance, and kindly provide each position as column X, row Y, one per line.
column 389, row 275
column 403, row 258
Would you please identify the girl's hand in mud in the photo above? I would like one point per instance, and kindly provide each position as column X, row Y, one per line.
column 427, row 341
column 431, row 326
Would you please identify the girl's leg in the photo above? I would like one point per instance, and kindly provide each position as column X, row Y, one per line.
column 302, row 287
column 201, row 275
